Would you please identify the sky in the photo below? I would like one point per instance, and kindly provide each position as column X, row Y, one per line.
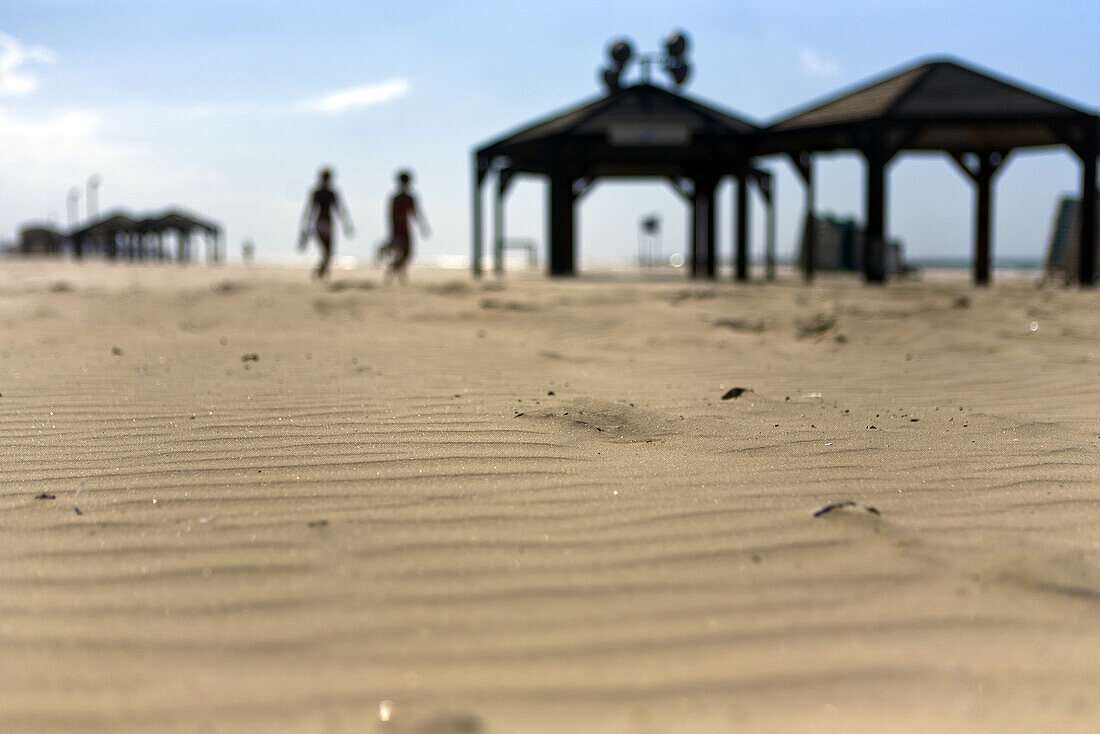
column 229, row 108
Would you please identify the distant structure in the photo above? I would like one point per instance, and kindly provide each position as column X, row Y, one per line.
column 118, row 235
column 936, row 105
column 41, row 240
column 839, row 246
column 639, row 130
column 1064, row 248
column 649, row 241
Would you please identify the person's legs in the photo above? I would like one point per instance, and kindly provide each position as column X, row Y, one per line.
column 326, row 254
column 324, row 237
column 400, row 256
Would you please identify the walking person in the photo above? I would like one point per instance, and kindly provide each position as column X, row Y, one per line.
column 317, row 219
column 403, row 209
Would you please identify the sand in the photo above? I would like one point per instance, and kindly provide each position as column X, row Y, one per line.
column 235, row 500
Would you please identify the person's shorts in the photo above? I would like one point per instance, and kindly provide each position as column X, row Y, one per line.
column 324, row 230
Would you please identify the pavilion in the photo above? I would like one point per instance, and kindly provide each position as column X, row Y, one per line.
column 644, row 130
column 940, row 105
column 637, row 131
column 119, row 234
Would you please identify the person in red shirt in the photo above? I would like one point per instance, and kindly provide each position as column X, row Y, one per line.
column 403, row 209
column 317, row 219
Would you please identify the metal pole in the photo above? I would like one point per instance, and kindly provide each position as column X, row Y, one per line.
column 73, row 210
column 92, row 200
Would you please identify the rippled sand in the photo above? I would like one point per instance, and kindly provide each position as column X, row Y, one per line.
column 233, row 500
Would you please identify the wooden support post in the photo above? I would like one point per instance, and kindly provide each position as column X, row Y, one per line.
column 874, row 244
column 982, row 168
column 983, row 214
column 498, row 227
column 1086, row 267
column 561, row 234
column 500, row 238
column 741, row 234
column 804, row 164
column 703, row 251
column 767, row 186
column 478, row 170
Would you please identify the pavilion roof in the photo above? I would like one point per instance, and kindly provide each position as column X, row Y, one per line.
column 937, row 104
column 640, row 116
column 120, row 221
column 178, row 220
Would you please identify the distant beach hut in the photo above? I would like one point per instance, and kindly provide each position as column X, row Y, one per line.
column 117, row 234
column 939, row 105
column 838, row 246
column 40, row 240
column 637, row 131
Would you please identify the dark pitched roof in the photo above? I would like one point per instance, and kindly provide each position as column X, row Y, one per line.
column 935, row 89
column 114, row 221
column 118, row 221
column 176, row 219
column 642, row 104
column 949, row 105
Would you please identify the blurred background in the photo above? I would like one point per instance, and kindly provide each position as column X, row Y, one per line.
column 229, row 108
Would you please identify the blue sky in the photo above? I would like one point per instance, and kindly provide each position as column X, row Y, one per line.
column 230, row 107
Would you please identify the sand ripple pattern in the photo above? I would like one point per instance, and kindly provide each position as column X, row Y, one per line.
column 416, row 512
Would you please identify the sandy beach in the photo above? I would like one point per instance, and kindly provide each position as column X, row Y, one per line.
column 236, row 500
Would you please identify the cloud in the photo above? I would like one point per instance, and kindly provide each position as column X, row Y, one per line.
column 63, row 145
column 42, row 157
column 815, row 64
column 14, row 81
column 355, row 98
column 203, row 111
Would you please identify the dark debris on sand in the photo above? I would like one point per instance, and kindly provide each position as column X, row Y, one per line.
column 827, row 508
column 754, row 327
column 337, row 286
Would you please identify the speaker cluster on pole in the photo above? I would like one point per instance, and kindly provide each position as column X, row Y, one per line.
column 673, row 60
column 676, row 46
column 618, row 54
